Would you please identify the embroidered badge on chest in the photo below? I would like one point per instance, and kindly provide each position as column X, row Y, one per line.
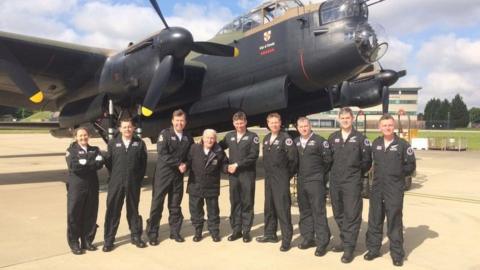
column 173, row 138
column 135, row 144
column 245, row 138
column 214, row 162
column 337, row 140
column 393, row 148
column 379, row 147
column 232, row 139
column 160, row 139
column 118, row 145
column 326, row 145
column 299, row 143
column 275, row 142
column 353, row 139
column 312, row 143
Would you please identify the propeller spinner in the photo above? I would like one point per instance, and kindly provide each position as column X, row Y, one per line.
column 175, row 43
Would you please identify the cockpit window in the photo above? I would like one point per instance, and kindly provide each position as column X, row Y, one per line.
column 334, row 10
column 267, row 12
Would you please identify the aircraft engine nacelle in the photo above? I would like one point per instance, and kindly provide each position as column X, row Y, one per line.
column 83, row 111
column 362, row 94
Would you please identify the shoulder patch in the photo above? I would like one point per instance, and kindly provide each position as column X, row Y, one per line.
column 288, row 142
column 255, row 140
column 366, row 142
column 325, row 144
column 409, row 151
column 67, row 154
column 160, row 138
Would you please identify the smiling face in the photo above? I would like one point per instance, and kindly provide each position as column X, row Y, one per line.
column 209, row 138
column 274, row 124
column 126, row 129
column 82, row 137
column 387, row 127
column 346, row 120
column 179, row 123
column 304, row 128
column 240, row 125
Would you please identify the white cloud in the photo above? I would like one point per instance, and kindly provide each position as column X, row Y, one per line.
column 407, row 16
column 452, row 66
column 397, row 55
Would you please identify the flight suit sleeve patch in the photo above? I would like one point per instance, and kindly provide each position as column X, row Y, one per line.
column 67, row 154
column 288, row 142
column 82, row 161
column 255, row 140
column 99, row 158
column 409, row 151
column 160, row 138
column 367, row 142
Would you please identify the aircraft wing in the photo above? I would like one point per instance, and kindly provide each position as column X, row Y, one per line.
column 58, row 69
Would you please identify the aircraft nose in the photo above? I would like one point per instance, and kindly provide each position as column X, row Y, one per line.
column 371, row 41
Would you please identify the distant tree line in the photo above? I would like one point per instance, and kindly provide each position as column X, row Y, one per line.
column 18, row 113
column 448, row 114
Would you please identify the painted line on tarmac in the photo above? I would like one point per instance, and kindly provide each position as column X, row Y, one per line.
column 445, row 198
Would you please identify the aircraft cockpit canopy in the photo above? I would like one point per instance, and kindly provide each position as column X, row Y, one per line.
column 265, row 13
column 335, row 10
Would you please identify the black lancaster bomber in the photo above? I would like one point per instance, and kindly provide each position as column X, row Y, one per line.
column 282, row 56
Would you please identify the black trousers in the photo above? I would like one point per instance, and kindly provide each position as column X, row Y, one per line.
column 82, row 211
column 197, row 213
column 242, row 199
column 347, row 207
column 115, row 197
column 277, row 206
column 313, row 213
column 389, row 204
column 161, row 188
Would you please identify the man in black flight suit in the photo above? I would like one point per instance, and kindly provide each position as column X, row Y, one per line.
column 280, row 161
column 172, row 149
column 314, row 158
column 351, row 159
column 243, row 154
column 393, row 160
column 206, row 161
column 127, row 161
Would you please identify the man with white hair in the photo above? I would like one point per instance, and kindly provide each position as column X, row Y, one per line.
column 206, row 161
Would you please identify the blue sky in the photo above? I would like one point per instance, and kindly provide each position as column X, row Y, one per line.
column 437, row 41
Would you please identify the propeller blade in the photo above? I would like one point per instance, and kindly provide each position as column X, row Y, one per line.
column 15, row 71
column 385, row 99
column 159, row 12
column 160, row 78
column 216, row 49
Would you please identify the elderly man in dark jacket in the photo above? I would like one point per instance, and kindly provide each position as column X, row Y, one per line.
column 206, row 161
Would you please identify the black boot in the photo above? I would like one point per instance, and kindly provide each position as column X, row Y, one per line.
column 152, row 236
column 285, row 246
column 371, row 255
column 347, row 256
column 246, row 237
column 267, row 239
column 235, row 236
column 177, row 237
column 397, row 261
column 137, row 241
column 306, row 244
column 75, row 247
column 198, row 235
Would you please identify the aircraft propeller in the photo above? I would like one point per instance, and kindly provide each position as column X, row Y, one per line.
column 175, row 43
column 388, row 77
column 15, row 71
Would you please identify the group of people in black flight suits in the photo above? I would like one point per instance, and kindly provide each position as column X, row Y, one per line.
column 347, row 155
